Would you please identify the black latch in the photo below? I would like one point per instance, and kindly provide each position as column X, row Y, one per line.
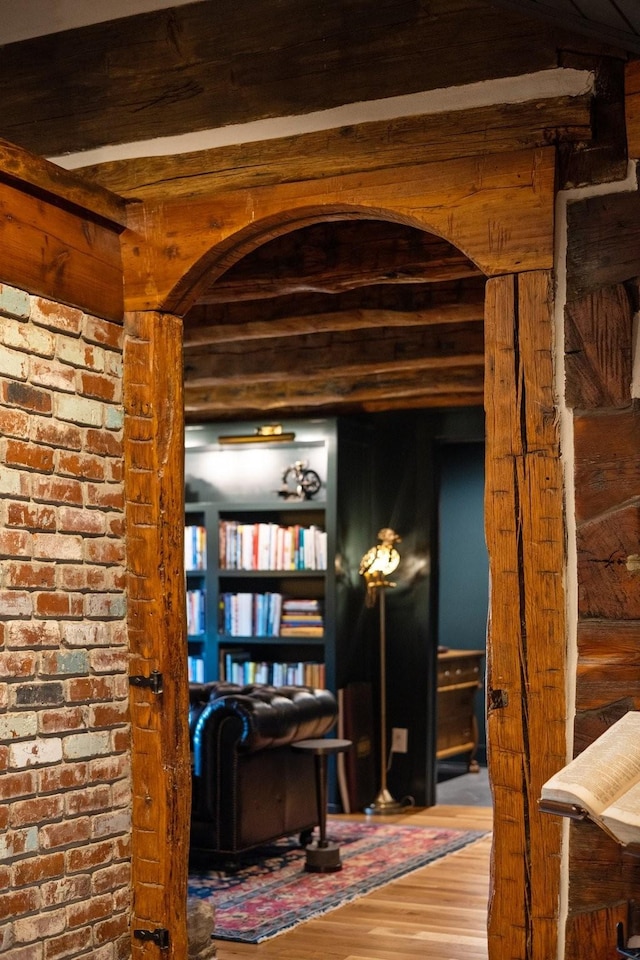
column 153, row 682
column 159, row 936
column 498, row 699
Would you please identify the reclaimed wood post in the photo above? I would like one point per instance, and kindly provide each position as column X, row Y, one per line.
column 154, row 486
column 526, row 637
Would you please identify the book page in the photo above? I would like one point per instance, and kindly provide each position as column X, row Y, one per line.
column 603, row 771
column 623, row 816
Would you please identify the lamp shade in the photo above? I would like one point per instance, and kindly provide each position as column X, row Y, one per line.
column 381, row 560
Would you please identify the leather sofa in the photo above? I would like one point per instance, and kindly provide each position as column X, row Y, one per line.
column 249, row 785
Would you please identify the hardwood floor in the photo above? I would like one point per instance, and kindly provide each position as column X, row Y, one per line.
column 436, row 913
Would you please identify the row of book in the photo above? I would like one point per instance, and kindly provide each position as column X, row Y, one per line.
column 269, row 615
column 195, row 669
column 238, row 667
column 195, row 548
column 270, row 546
column 196, row 612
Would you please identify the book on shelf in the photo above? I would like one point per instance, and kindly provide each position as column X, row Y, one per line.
column 602, row 783
column 195, row 669
column 195, row 612
column 238, row 666
column 195, row 548
column 270, row 546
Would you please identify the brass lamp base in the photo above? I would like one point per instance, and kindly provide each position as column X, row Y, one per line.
column 383, row 805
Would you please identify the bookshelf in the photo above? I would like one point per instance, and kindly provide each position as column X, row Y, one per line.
column 262, row 591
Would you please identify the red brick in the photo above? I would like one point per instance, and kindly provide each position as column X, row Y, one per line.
column 61, row 721
column 14, row 785
column 57, row 490
column 36, row 810
column 62, row 834
column 66, row 890
column 90, row 689
column 103, row 332
column 30, row 455
column 56, row 433
column 88, row 800
column 109, row 496
column 15, row 543
column 112, row 877
column 103, row 442
column 32, row 517
column 109, row 768
column 63, row 777
column 38, row 869
column 57, row 316
column 111, row 929
column 69, row 944
column 57, row 605
column 22, row 395
column 97, row 908
column 109, row 715
column 29, row 575
column 13, row 423
column 33, row 634
column 17, row 665
column 83, row 467
column 104, row 551
column 77, row 520
column 90, row 856
column 100, row 386
column 18, row 903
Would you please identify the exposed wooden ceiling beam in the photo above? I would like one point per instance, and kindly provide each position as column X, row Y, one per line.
column 336, row 256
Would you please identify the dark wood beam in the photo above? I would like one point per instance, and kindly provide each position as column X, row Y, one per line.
column 299, row 394
column 209, row 64
column 331, row 257
column 352, row 353
column 497, row 128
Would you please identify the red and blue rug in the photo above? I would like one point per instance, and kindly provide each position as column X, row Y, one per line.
column 271, row 892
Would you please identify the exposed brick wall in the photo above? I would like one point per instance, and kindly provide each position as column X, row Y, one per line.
column 64, row 736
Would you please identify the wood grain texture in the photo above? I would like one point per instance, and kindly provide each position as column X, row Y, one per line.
column 608, row 582
column 496, row 210
column 59, row 251
column 525, row 538
column 401, row 142
column 598, row 352
column 606, row 460
column 154, row 485
column 632, row 107
column 603, row 242
column 206, row 65
column 436, row 912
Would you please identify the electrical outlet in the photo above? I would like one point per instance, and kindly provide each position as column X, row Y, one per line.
column 399, row 740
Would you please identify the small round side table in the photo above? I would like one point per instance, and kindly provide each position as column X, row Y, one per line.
column 322, row 856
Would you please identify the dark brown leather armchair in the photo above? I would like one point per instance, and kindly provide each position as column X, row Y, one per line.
column 249, row 785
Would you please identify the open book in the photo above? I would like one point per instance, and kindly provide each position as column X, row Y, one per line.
column 603, row 782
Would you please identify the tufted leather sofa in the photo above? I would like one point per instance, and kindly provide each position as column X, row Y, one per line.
column 249, row 785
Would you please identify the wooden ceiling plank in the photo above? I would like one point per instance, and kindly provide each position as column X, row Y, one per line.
column 497, row 128
column 206, row 65
column 201, row 335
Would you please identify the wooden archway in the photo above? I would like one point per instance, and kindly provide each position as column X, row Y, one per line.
column 499, row 211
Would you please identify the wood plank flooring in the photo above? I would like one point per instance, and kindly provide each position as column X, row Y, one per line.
column 436, row 913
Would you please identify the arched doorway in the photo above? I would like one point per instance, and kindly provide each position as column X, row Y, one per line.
column 524, row 490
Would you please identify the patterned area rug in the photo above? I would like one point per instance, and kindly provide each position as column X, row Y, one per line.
column 272, row 893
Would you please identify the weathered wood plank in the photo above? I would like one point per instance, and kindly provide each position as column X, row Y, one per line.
column 632, row 107
column 376, row 306
column 606, row 460
column 608, row 574
column 300, row 393
column 496, row 210
column 206, row 65
column 336, row 354
column 603, row 242
column 598, row 355
column 154, row 484
column 526, row 639
column 608, row 667
column 58, row 251
column 338, row 256
column 405, row 141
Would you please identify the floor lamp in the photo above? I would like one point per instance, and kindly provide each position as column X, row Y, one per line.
column 375, row 567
